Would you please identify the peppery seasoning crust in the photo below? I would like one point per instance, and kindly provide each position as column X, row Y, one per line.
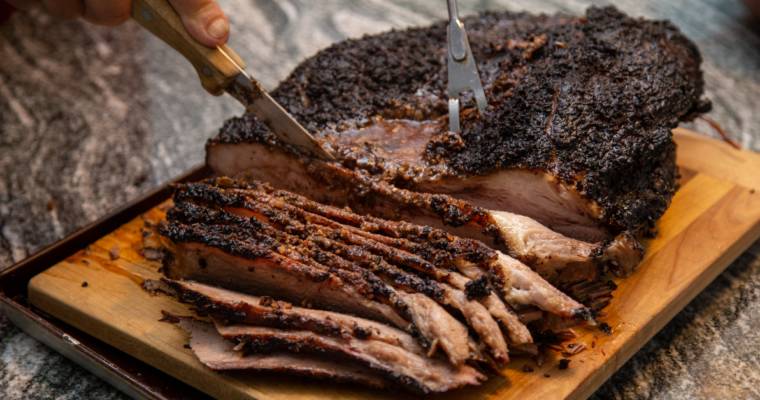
column 590, row 100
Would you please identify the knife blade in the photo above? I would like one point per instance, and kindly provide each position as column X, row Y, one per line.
column 221, row 70
column 249, row 93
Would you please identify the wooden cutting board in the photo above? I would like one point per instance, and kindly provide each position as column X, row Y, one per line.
column 714, row 217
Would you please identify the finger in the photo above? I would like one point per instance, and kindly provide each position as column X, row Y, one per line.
column 65, row 10
column 204, row 20
column 108, row 12
column 24, row 5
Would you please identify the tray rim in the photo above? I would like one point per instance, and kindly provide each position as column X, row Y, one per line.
column 68, row 341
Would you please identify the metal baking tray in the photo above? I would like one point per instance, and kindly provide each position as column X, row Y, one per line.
column 128, row 374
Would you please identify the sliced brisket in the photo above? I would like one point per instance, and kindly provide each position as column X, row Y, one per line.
column 416, row 373
column 219, row 355
column 257, row 267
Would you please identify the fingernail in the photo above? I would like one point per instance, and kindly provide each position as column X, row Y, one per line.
column 219, row 28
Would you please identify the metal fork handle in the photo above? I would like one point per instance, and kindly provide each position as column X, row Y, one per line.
column 457, row 39
column 453, row 9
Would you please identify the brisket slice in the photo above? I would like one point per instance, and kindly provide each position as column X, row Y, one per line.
column 207, row 255
column 425, row 249
column 431, row 252
column 514, row 330
column 237, row 308
column 197, row 254
column 416, row 373
column 384, row 261
column 249, row 322
column 577, row 134
column 433, row 322
column 560, row 259
column 218, row 354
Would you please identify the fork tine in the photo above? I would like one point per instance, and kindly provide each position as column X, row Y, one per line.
column 454, row 114
column 480, row 97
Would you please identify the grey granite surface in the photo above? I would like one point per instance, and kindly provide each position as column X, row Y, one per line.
column 91, row 117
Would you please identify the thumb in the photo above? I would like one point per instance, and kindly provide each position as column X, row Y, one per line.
column 204, row 20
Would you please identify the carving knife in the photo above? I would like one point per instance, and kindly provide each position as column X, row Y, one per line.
column 221, row 70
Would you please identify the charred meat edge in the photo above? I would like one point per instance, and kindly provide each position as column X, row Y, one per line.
column 237, row 308
column 521, row 237
column 200, row 255
column 333, row 242
column 506, row 274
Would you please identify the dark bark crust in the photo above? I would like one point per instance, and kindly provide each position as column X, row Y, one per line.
column 590, row 100
column 420, row 247
column 408, row 255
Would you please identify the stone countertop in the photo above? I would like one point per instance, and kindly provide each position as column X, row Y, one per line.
column 91, row 117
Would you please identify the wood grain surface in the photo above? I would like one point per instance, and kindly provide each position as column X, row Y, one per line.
column 713, row 218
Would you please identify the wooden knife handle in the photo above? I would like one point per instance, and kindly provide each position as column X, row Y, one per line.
column 214, row 69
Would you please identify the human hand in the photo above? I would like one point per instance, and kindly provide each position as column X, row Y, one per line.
column 203, row 19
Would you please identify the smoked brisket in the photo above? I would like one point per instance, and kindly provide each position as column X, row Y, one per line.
column 577, row 134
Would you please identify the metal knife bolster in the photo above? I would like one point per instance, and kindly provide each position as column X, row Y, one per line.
column 249, row 93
